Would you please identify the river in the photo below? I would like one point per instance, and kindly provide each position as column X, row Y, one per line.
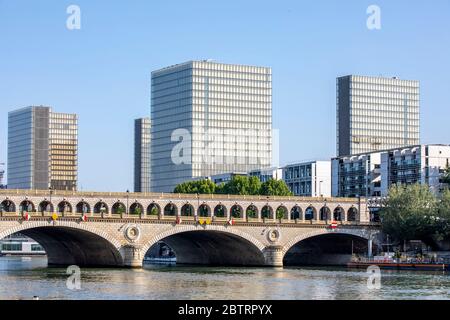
column 23, row 278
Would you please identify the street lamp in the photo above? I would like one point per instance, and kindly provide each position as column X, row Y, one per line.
column 320, row 188
column 50, row 204
column 128, row 195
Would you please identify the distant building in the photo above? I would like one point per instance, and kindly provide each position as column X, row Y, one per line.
column 42, row 149
column 142, row 138
column 375, row 113
column 309, row 179
column 224, row 177
column 265, row 175
column 225, row 113
column 372, row 174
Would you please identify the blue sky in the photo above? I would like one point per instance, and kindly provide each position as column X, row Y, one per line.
column 102, row 72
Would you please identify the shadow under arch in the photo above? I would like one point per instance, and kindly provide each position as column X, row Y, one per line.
column 67, row 245
column 212, row 248
column 325, row 249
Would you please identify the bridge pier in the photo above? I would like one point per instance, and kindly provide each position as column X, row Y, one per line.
column 273, row 256
column 132, row 256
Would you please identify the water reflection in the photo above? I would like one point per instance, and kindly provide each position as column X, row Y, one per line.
column 25, row 278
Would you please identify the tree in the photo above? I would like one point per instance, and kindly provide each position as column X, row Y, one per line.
column 238, row 185
column 409, row 213
column 204, row 186
column 446, row 175
column 274, row 187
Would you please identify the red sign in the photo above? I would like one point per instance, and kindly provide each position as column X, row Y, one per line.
column 333, row 225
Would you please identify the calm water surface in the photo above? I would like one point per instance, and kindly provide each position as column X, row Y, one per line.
column 23, row 278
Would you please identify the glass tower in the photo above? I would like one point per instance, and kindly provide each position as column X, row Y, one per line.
column 142, row 134
column 209, row 118
column 42, row 149
column 375, row 113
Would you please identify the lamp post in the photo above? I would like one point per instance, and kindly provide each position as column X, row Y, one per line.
column 50, row 204
column 320, row 188
column 198, row 207
column 128, row 196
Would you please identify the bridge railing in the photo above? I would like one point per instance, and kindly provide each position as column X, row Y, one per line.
column 186, row 218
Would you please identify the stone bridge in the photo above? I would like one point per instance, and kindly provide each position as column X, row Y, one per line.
column 117, row 229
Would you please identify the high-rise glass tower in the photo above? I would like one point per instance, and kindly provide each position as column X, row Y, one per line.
column 209, row 118
column 142, row 134
column 375, row 113
column 42, row 149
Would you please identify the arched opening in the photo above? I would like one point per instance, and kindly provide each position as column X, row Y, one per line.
column 64, row 207
column 267, row 212
column 83, row 207
column 220, row 211
column 170, row 210
column 237, row 212
column 46, row 206
column 325, row 214
column 282, row 213
column 310, row 213
column 101, row 208
column 338, row 214
column 118, row 208
column 212, row 248
column 27, row 206
column 296, row 213
column 7, row 206
column 251, row 212
column 187, row 210
column 153, row 209
column 204, row 210
column 136, row 209
column 326, row 249
column 70, row 246
column 352, row 214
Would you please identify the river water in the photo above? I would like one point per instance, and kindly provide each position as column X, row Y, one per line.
column 23, row 278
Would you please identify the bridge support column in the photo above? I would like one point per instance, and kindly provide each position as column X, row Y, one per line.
column 273, row 256
column 369, row 248
column 132, row 256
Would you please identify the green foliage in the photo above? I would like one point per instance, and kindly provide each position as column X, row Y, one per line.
column 154, row 211
column 446, row 175
column 274, row 187
column 280, row 213
column 251, row 212
column 238, row 185
column 410, row 212
column 136, row 210
column 204, row 186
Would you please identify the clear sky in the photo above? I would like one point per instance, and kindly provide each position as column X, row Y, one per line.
column 102, row 71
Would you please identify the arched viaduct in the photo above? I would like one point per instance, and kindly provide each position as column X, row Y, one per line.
column 117, row 229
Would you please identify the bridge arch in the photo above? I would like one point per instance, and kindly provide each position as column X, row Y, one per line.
column 100, row 207
column 338, row 214
column 310, row 213
column 170, row 210
column 7, row 206
column 251, row 211
column 187, row 210
column 71, row 243
column 46, row 206
column 64, row 206
column 325, row 213
column 296, row 213
column 136, row 209
column 153, row 209
column 220, row 211
column 83, row 207
column 323, row 246
column 267, row 212
column 204, row 210
column 352, row 214
column 214, row 245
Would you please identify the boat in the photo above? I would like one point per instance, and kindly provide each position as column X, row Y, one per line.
column 19, row 245
column 160, row 260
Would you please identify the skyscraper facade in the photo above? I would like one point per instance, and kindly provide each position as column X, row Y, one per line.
column 142, row 134
column 209, row 118
column 375, row 113
column 42, row 149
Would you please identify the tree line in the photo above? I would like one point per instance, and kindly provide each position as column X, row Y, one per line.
column 238, row 185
